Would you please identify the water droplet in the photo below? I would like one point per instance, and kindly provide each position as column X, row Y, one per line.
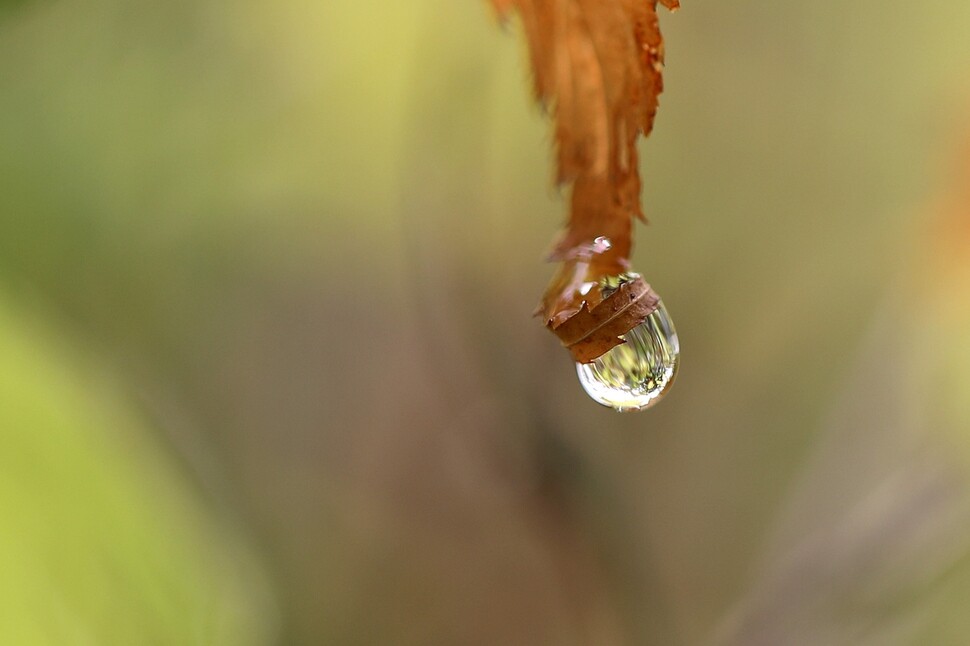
column 638, row 373
column 602, row 244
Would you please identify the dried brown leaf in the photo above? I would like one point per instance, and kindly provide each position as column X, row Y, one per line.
column 597, row 65
column 597, row 326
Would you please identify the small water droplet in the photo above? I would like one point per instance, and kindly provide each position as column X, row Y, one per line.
column 602, row 244
column 638, row 373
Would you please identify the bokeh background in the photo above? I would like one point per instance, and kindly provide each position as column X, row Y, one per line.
column 268, row 373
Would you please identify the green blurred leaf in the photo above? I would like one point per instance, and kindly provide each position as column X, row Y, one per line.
column 100, row 541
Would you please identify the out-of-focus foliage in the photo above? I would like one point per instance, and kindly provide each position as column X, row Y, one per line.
column 101, row 543
column 301, row 241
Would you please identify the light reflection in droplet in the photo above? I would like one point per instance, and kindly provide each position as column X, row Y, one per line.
column 638, row 373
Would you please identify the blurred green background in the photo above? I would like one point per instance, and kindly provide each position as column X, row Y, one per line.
column 268, row 373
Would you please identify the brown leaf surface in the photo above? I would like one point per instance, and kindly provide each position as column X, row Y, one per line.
column 598, row 65
column 597, row 326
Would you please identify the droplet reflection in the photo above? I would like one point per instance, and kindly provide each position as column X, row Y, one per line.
column 636, row 374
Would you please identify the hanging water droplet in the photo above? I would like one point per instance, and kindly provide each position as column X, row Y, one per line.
column 635, row 375
column 602, row 244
